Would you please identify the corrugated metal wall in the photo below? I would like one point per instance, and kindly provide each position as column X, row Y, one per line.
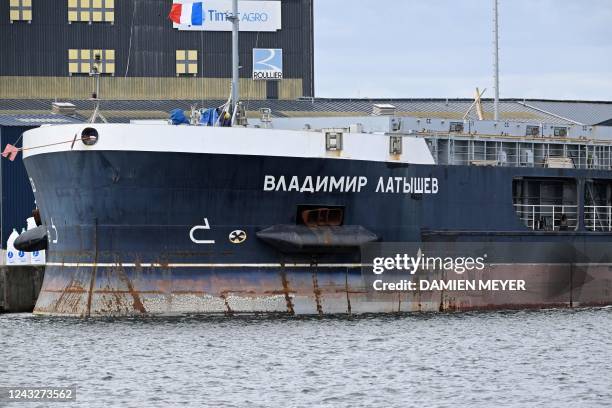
column 17, row 196
column 143, row 33
column 140, row 88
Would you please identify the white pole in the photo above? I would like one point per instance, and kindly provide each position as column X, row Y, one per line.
column 496, row 60
column 553, row 218
column 235, row 56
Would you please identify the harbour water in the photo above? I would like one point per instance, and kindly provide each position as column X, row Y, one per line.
column 545, row 358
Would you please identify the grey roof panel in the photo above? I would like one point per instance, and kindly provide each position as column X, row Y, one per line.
column 588, row 113
column 37, row 120
column 512, row 109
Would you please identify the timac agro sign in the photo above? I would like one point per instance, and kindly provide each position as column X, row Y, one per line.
column 267, row 63
column 254, row 15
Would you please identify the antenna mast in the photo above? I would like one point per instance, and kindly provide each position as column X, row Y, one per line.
column 95, row 96
column 235, row 56
column 496, row 60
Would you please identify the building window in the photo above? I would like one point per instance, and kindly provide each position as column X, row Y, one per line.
column 96, row 11
column 82, row 61
column 20, row 10
column 186, row 62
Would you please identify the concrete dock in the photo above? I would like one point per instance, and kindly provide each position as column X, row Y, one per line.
column 19, row 287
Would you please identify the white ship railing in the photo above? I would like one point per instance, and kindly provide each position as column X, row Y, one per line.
column 598, row 217
column 456, row 150
column 543, row 217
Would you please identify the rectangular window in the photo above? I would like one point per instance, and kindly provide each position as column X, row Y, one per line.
column 20, row 10
column 456, row 127
column 319, row 215
column 546, row 204
column 186, row 62
column 91, row 11
column 598, row 205
column 560, row 131
column 84, row 61
column 532, row 131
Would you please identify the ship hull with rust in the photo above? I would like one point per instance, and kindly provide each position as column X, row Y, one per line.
column 121, row 239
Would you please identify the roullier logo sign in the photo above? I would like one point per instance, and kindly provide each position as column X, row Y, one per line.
column 212, row 15
column 267, row 63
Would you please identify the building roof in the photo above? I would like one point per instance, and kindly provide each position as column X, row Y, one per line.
column 583, row 113
column 36, row 119
column 606, row 123
column 122, row 111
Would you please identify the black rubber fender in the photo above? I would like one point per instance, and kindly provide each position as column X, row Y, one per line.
column 32, row 240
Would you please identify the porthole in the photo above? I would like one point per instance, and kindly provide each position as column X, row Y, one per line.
column 89, row 136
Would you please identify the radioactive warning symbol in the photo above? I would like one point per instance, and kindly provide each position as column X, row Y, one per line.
column 237, row 236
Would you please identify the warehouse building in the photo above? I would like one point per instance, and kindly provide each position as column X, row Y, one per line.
column 48, row 49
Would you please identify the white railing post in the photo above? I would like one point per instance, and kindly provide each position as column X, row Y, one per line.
column 524, row 211
column 553, row 218
column 586, row 215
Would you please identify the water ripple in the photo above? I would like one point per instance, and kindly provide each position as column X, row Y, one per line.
column 507, row 359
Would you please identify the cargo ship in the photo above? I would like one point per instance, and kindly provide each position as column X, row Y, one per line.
column 190, row 219
column 271, row 217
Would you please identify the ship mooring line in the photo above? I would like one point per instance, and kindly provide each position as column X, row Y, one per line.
column 12, row 148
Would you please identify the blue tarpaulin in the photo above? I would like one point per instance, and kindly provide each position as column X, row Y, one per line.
column 209, row 117
column 177, row 116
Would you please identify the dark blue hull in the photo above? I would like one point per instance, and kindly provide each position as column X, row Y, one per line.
column 120, row 226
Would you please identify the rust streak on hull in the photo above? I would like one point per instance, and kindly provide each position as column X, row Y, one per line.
column 316, row 290
column 346, row 288
column 309, row 291
column 137, row 303
column 286, row 291
column 230, row 312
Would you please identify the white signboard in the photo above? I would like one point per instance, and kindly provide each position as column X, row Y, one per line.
column 267, row 63
column 254, row 15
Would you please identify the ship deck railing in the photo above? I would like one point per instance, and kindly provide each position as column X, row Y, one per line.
column 507, row 137
column 548, row 217
column 507, row 151
column 598, row 217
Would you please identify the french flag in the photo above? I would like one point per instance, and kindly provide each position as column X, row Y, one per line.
column 187, row 13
